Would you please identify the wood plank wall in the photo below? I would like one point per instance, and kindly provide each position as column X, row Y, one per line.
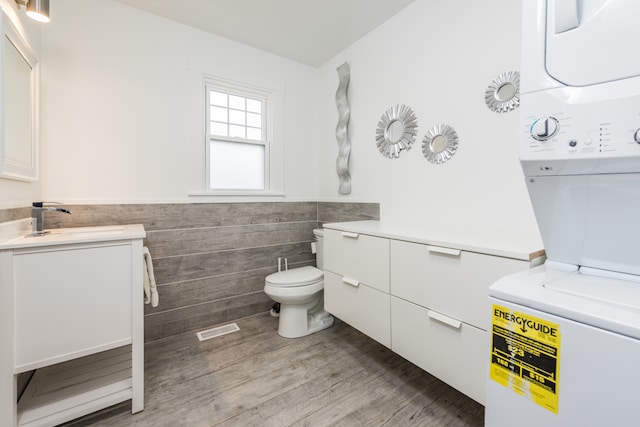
column 14, row 214
column 210, row 259
column 340, row 212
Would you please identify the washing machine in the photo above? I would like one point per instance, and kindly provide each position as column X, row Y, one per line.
column 564, row 344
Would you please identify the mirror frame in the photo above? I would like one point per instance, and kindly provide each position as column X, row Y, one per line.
column 494, row 103
column 451, row 144
column 15, row 168
column 406, row 116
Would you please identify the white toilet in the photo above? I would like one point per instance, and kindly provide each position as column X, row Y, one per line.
column 300, row 292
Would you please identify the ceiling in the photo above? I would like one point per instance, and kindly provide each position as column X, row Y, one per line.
column 307, row 31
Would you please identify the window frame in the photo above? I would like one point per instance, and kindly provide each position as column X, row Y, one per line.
column 265, row 96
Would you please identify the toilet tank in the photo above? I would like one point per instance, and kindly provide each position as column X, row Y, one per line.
column 319, row 233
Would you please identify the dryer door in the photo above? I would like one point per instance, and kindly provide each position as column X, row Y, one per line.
column 592, row 41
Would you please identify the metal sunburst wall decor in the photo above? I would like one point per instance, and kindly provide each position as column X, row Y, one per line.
column 503, row 93
column 440, row 144
column 396, row 131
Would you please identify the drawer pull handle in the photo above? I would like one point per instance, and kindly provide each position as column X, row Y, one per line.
column 350, row 234
column 444, row 319
column 444, row 251
column 351, row 282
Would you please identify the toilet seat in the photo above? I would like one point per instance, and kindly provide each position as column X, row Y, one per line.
column 303, row 276
column 300, row 292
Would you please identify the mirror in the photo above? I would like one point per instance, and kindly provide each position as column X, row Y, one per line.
column 503, row 94
column 440, row 144
column 18, row 94
column 396, row 131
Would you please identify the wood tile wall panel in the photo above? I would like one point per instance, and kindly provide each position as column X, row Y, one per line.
column 196, row 240
column 14, row 214
column 204, row 315
column 339, row 211
column 184, row 293
column 206, row 264
column 211, row 259
column 187, row 215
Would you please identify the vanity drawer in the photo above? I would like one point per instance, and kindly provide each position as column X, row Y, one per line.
column 359, row 257
column 449, row 281
column 359, row 305
column 445, row 347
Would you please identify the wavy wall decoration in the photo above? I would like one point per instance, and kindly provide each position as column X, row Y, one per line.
column 342, row 135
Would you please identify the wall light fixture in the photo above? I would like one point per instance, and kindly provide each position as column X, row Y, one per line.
column 36, row 9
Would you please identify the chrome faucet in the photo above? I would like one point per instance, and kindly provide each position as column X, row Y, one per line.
column 37, row 214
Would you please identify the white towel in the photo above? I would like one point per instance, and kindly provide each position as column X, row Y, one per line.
column 149, row 282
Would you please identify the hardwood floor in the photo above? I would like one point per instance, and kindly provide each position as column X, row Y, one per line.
column 254, row 377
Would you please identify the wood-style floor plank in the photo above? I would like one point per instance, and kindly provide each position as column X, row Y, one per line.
column 253, row 377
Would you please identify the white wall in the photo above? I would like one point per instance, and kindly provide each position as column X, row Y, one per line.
column 20, row 193
column 123, row 105
column 122, row 117
column 438, row 57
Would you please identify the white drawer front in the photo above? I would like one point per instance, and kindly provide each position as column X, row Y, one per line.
column 362, row 258
column 445, row 347
column 362, row 307
column 448, row 281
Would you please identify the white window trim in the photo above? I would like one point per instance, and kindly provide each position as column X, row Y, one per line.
column 274, row 150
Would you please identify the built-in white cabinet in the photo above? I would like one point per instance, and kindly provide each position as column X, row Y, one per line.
column 356, row 282
column 447, row 348
column 426, row 300
column 360, row 257
column 363, row 307
column 448, row 280
column 71, row 304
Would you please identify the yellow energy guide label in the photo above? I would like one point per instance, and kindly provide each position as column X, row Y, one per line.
column 525, row 355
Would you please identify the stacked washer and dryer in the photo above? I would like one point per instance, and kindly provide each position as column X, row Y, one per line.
column 565, row 338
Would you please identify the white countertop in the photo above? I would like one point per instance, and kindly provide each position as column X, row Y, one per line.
column 65, row 236
column 493, row 242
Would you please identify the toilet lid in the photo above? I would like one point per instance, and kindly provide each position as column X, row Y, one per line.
column 295, row 277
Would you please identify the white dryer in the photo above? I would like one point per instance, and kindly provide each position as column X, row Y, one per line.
column 565, row 338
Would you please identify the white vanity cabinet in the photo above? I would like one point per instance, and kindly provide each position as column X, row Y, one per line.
column 437, row 307
column 72, row 301
column 73, row 305
column 449, row 280
column 356, row 282
column 450, row 350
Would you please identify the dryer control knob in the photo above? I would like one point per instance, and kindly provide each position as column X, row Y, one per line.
column 636, row 136
column 545, row 128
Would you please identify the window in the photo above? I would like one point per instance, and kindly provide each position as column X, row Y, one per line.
column 238, row 150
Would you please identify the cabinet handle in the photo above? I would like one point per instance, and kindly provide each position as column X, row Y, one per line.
column 351, row 282
column 444, row 319
column 350, row 234
column 444, row 251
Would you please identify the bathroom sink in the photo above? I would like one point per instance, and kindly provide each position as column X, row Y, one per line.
column 88, row 231
column 71, row 235
column 12, row 230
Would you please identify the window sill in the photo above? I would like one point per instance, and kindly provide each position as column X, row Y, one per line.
column 235, row 193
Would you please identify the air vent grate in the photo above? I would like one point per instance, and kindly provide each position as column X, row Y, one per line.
column 218, row 331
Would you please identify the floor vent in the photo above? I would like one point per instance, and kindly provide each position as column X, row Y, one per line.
column 216, row 332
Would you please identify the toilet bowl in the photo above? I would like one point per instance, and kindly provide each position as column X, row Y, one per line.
column 300, row 292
